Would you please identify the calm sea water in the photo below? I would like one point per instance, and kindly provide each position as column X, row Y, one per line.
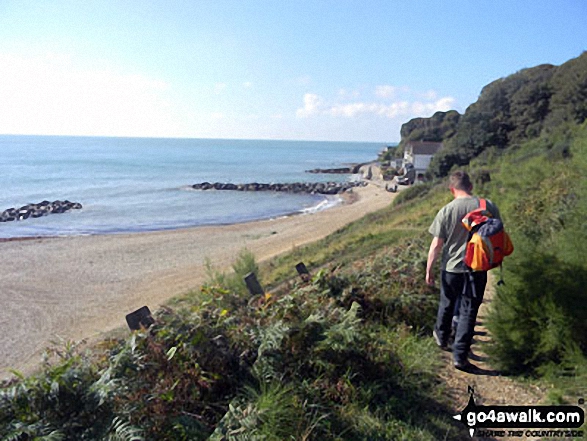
column 142, row 184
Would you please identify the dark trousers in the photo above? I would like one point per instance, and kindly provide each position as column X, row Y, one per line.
column 454, row 286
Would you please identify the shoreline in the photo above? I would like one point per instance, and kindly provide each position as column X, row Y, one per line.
column 330, row 201
column 81, row 287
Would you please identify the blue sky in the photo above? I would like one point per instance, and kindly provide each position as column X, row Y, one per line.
column 265, row 69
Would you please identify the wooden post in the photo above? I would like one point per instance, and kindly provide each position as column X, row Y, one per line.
column 303, row 271
column 253, row 284
column 141, row 318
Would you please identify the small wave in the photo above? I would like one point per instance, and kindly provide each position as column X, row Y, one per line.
column 325, row 204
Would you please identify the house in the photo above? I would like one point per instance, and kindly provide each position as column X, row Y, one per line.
column 419, row 154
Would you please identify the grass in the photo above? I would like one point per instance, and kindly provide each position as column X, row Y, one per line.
column 346, row 355
column 360, row 238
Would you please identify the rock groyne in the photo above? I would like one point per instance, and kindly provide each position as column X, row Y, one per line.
column 38, row 210
column 352, row 169
column 329, row 188
column 342, row 170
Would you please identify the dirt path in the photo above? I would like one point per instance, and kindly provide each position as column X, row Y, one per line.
column 490, row 388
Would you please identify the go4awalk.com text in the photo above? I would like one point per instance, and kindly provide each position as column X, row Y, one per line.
column 518, row 421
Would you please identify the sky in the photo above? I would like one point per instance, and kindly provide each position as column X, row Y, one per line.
column 332, row 70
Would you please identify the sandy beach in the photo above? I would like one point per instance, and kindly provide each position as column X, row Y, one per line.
column 82, row 286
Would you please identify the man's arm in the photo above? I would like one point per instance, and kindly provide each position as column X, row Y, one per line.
column 433, row 253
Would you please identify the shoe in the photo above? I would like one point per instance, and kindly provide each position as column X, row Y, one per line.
column 439, row 343
column 466, row 366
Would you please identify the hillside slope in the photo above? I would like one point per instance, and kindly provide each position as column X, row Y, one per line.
column 348, row 354
column 508, row 112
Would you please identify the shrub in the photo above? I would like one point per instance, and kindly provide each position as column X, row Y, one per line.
column 540, row 316
column 66, row 400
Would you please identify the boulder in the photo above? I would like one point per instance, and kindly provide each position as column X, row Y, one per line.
column 341, row 170
column 38, row 210
column 329, row 188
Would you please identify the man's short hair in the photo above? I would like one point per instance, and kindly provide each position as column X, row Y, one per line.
column 460, row 180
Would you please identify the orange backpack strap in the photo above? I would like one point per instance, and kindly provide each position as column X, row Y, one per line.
column 482, row 204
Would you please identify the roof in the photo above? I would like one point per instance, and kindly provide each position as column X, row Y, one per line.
column 424, row 147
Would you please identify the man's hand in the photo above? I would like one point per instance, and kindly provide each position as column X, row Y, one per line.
column 430, row 278
column 433, row 253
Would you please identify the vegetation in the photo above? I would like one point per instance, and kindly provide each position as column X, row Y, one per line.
column 539, row 319
column 441, row 126
column 388, row 154
column 348, row 354
column 509, row 111
column 338, row 357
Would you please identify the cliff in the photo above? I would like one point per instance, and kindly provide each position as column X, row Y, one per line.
column 509, row 111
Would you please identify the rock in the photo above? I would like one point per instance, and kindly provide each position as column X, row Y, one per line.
column 329, row 188
column 203, row 186
column 38, row 210
column 341, row 170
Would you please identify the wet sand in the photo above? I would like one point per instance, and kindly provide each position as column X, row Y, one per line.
column 81, row 287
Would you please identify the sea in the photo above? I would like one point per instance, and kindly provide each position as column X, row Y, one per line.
column 144, row 184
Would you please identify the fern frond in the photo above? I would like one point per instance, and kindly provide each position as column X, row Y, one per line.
column 123, row 431
column 55, row 435
column 344, row 333
column 272, row 336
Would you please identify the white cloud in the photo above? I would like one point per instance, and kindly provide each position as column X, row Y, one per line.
column 58, row 95
column 429, row 95
column 419, row 108
column 445, row 104
column 52, row 95
column 422, row 108
column 393, row 110
column 385, row 91
column 351, row 110
column 312, row 106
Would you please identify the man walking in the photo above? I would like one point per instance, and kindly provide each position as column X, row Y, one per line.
column 450, row 238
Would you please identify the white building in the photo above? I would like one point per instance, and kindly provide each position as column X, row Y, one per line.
column 419, row 154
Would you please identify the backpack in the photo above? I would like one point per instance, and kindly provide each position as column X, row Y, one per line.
column 488, row 242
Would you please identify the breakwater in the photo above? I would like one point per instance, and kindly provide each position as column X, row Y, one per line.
column 332, row 171
column 328, row 188
column 353, row 169
column 38, row 210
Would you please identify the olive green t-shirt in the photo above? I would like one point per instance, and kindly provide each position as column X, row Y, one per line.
column 447, row 225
